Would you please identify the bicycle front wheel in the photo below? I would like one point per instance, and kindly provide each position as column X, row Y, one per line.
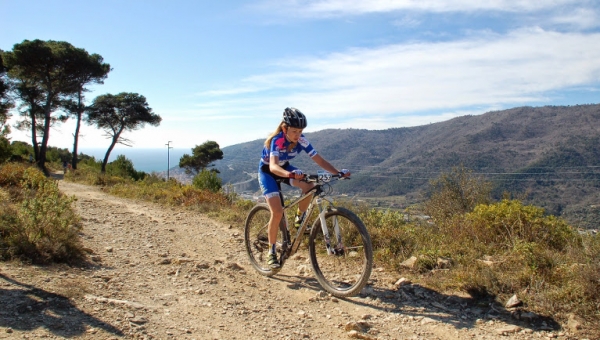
column 342, row 264
column 256, row 238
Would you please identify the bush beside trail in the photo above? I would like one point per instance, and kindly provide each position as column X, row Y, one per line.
column 37, row 222
column 491, row 250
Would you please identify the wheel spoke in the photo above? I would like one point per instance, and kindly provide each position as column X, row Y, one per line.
column 257, row 240
column 345, row 272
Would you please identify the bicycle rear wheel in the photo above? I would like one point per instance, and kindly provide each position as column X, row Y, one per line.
column 256, row 238
column 345, row 272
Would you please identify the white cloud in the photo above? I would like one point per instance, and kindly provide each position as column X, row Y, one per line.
column 520, row 67
column 390, row 121
column 578, row 18
column 406, row 21
column 232, row 91
column 552, row 14
column 326, row 8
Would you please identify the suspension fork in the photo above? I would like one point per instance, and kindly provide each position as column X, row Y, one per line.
column 336, row 229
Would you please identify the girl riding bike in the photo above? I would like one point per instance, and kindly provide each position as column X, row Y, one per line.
column 285, row 143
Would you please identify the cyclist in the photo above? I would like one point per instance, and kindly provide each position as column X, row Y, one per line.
column 285, row 143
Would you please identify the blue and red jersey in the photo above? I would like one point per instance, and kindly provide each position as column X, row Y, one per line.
column 279, row 147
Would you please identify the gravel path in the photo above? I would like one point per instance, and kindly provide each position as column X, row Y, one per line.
column 169, row 273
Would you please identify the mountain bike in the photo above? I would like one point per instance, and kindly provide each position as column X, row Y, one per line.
column 339, row 244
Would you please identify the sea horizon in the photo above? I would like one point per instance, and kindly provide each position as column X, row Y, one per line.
column 146, row 160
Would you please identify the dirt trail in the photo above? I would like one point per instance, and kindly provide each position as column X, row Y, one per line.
column 169, row 273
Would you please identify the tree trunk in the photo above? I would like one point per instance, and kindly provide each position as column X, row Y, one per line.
column 36, row 149
column 45, row 137
column 77, row 127
column 114, row 141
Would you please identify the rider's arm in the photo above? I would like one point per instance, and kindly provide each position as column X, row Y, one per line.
column 326, row 165
column 275, row 168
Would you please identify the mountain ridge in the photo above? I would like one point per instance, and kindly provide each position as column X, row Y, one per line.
column 507, row 147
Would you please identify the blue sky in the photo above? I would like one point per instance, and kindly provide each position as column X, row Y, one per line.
column 225, row 70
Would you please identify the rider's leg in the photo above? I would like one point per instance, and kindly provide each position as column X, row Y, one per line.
column 274, row 203
column 271, row 192
column 305, row 187
column 303, row 205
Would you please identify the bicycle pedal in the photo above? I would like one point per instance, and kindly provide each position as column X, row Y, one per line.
column 339, row 252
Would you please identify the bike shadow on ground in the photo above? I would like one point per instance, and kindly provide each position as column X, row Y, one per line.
column 26, row 308
column 418, row 302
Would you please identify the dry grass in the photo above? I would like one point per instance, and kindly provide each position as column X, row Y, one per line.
column 226, row 208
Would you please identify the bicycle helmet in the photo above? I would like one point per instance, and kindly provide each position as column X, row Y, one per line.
column 294, row 118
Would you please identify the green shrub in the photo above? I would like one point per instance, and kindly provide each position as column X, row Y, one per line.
column 207, row 180
column 22, row 149
column 456, row 193
column 11, row 174
column 5, row 149
column 389, row 234
column 42, row 227
column 90, row 163
column 33, row 179
column 509, row 222
column 123, row 167
column 58, row 155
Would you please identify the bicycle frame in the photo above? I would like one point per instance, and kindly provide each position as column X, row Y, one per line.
column 316, row 202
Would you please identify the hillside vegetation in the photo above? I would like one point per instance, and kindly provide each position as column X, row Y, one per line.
column 547, row 156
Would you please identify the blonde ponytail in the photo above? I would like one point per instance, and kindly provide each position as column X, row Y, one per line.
column 275, row 133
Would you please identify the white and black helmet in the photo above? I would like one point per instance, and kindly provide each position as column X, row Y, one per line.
column 294, row 118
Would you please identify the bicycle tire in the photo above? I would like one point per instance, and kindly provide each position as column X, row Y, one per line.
column 256, row 238
column 347, row 272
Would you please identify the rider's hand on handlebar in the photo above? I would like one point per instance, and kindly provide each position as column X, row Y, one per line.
column 297, row 174
column 344, row 173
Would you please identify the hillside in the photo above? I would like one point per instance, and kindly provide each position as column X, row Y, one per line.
column 549, row 156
